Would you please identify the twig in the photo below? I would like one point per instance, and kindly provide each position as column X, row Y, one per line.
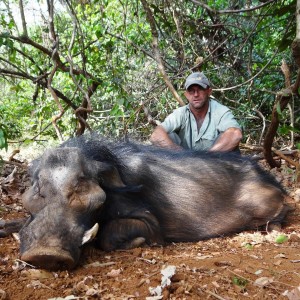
column 239, row 275
column 259, row 72
column 14, row 163
column 21, row 6
column 151, row 262
column 269, row 285
column 25, row 263
column 149, row 276
column 231, row 11
column 157, row 55
column 281, row 155
column 98, row 264
column 264, row 125
column 252, row 147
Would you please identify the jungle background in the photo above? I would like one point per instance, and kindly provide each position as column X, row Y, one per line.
column 118, row 67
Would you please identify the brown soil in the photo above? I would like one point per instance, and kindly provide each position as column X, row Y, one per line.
column 249, row 265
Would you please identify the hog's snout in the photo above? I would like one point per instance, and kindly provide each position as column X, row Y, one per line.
column 49, row 258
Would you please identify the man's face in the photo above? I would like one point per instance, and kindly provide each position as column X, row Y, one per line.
column 197, row 96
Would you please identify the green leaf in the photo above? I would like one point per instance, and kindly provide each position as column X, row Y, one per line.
column 99, row 31
column 120, row 101
column 285, row 43
column 241, row 282
column 27, row 142
column 3, row 140
column 249, row 246
column 285, row 129
column 281, row 239
column 116, row 111
column 278, row 108
column 290, row 8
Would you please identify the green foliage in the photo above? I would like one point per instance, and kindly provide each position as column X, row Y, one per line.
column 249, row 246
column 3, row 139
column 281, row 239
column 239, row 281
column 113, row 47
column 285, row 129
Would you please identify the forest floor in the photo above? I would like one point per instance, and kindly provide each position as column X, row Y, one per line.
column 249, row 265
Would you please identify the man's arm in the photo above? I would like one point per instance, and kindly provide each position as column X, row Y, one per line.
column 160, row 138
column 228, row 140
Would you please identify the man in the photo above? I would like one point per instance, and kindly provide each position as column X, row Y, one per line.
column 203, row 124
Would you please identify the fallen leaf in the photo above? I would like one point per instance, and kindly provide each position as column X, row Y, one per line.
column 280, row 255
column 81, row 286
column 293, row 294
column 114, row 273
column 98, row 264
column 263, row 281
column 37, row 274
column 200, row 256
column 156, row 291
column 255, row 256
column 36, row 284
column 2, row 294
column 294, row 238
column 222, row 263
column 167, row 273
column 215, row 284
column 92, row 292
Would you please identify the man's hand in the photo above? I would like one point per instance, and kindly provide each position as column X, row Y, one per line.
column 160, row 138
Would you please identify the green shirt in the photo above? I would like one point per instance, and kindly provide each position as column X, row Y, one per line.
column 182, row 122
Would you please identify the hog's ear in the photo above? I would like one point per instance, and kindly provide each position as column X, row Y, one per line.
column 108, row 175
column 33, row 169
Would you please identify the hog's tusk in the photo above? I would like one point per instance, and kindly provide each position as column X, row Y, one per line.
column 90, row 234
column 16, row 236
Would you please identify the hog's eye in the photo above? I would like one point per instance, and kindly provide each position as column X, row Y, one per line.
column 80, row 180
column 36, row 187
column 38, row 190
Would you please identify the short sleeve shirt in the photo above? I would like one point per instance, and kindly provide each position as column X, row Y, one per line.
column 182, row 122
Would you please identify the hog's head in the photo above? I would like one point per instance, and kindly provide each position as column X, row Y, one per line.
column 67, row 194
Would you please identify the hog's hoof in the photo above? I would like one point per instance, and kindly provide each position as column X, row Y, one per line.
column 274, row 226
column 135, row 243
column 49, row 258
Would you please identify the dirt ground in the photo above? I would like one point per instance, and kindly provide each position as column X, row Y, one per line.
column 249, row 265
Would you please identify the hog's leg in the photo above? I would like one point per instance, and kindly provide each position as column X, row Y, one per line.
column 268, row 208
column 8, row 227
column 127, row 234
column 276, row 223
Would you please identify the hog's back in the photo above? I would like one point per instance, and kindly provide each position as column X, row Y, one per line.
column 196, row 196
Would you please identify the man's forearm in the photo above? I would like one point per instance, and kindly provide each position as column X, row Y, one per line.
column 160, row 138
column 228, row 140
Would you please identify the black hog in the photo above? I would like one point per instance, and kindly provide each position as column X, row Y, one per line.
column 139, row 195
